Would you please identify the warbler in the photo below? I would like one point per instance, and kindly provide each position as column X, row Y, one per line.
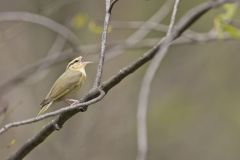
column 70, row 80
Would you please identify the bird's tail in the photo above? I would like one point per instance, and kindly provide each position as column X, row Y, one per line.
column 44, row 108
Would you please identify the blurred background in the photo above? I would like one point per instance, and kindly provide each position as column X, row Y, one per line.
column 194, row 108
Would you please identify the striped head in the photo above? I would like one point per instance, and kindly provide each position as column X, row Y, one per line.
column 77, row 64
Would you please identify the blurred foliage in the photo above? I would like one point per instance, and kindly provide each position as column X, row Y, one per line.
column 80, row 21
column 221, row 22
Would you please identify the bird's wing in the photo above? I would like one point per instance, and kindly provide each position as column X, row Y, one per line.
column 64, row 84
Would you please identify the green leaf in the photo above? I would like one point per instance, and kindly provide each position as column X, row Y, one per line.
column 221, row 22
column 230, row 10
column 231, row 30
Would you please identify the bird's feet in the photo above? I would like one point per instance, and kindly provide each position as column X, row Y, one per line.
column 71, row 101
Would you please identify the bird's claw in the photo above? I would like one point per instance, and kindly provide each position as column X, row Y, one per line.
column 71, row 101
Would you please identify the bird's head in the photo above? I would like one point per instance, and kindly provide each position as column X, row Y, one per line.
column 77, row 64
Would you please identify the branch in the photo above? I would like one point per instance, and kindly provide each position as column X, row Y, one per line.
column 145, row 89
column 108, row 10
column 183, row 24
column 43, row 21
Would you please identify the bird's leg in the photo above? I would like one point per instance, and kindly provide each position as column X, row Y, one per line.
column 71, row 101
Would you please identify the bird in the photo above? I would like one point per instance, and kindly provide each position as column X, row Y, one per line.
column 71, row 80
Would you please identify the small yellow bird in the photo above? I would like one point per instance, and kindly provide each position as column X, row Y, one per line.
column 70, row 80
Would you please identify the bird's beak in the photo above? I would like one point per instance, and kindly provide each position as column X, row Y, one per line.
column 87, row 62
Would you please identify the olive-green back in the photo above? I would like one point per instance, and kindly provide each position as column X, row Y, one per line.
column 67, row 82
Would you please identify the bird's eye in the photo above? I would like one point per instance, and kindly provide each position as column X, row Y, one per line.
column 76, row 61
column 73, row 62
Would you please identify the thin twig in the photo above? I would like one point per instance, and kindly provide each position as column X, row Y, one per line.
column 112, row 5
column 47, row 130
column 51, row 114
column 108, row 10
column 173, row 17
column 145, row 89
